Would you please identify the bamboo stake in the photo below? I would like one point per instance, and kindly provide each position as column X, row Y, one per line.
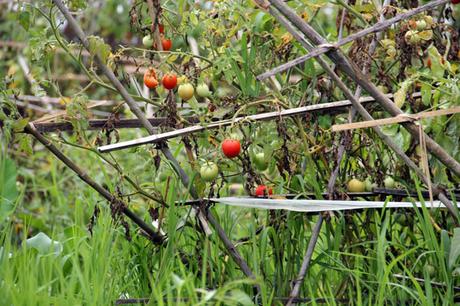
column 306, row 261
column 325, row 47
column 136, row 110
column 397, row 119
column 259, row 117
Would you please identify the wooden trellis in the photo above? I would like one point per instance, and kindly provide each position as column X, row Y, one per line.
column 317, row 46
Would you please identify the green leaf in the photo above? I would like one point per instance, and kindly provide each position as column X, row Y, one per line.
column 8, row 189
column 24, row 20
column 437, row 66
column 98, row 47
column 325, row 122
column 454, row 248
column 240, row 297
column 19, row 125
column 426, row 94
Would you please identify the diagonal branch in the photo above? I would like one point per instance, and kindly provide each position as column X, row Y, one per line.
column 306, row 262
column 154, row 236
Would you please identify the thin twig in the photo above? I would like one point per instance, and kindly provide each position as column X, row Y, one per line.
column 306, row 261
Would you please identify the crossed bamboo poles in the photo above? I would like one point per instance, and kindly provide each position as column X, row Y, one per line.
column 301, row 31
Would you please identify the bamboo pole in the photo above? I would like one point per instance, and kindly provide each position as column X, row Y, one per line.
column 214, row 125
column 393, row 120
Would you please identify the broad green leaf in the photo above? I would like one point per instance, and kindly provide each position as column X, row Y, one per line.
column 437, row 66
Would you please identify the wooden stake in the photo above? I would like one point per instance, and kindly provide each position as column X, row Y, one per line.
column 393, row 120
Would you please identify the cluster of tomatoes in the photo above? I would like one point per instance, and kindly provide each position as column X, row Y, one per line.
column 166, row 43
column 231, row 148
column 170, row 81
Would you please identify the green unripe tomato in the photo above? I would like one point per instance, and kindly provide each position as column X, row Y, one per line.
column 260, row 162
column 369, row 186
column 429, row 20
column 147, row 41
column 391, row 52
column 355, row 185
column 209, row 172
column 202, row 90
column 421, row 25
column 389, row 182
column 412, row 37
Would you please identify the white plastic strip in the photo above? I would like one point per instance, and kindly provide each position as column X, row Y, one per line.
column 316, row 205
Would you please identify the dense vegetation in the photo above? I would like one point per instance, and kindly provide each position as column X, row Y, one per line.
column 62, row 243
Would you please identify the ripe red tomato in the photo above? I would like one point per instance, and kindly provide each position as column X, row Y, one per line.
column 262, row 189
column 169, row 81
column 231, row 148
column 166, row 43
column 150, row 78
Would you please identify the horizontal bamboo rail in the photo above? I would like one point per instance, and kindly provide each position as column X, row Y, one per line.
column 397, row 119
column 259, row 117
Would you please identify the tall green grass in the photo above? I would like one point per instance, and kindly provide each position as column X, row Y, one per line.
column 366, row 257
